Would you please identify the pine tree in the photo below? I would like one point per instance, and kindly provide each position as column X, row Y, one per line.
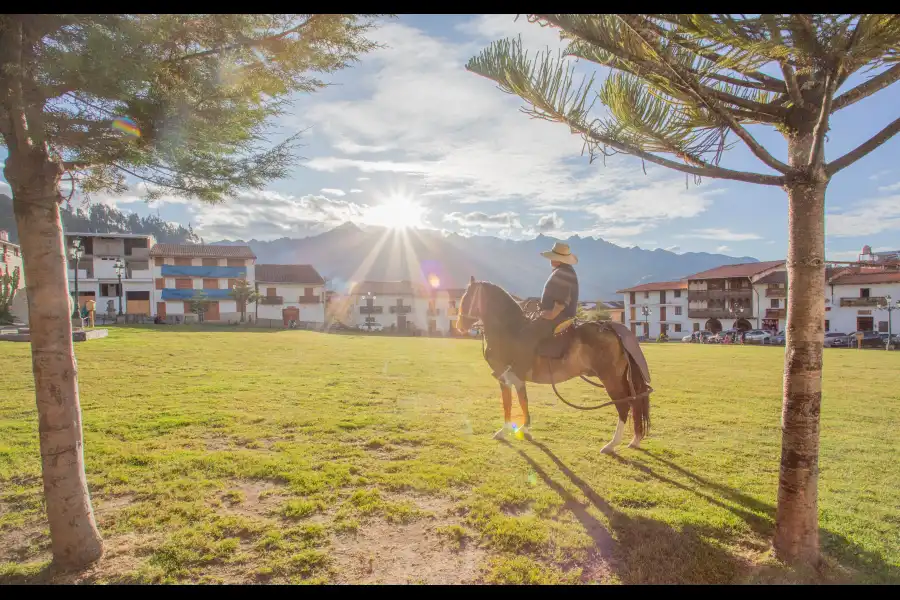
column 683, row 85
column 185, row 103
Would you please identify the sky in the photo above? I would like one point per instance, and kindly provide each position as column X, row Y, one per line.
column 409, row 137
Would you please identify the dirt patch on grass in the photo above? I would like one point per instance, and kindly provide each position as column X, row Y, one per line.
column 418, row 552
column 257, row 498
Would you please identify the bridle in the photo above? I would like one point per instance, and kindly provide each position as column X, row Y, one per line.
column 477, row 318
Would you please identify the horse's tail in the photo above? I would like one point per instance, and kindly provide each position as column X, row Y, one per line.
column 640, row 407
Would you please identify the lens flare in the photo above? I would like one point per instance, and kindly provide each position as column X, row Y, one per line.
column 127, row 126
column 434, row 281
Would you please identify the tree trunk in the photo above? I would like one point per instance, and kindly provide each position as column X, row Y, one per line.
column 796, row 522
column 34, row 178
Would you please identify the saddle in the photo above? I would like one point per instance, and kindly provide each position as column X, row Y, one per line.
column 558, row 344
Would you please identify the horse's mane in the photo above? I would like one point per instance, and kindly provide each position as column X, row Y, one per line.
column 500, row 298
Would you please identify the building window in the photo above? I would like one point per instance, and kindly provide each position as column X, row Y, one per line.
column 646, row 294
column 235, row 262
column 773, row 303
column 308, row 292
column 232, row 283
column 183, row 284
column 109, row 290
column 863, row 292
column 158, row 261
column 696, row 326
column 210, row 262
column 678, row 311
column 677, row 327
column 270, row 292
column 678, row 293
column 827, row 325
column 210, row 284
column 631, row 299
column 882, row 326
column 160, row 283
column 183, row 261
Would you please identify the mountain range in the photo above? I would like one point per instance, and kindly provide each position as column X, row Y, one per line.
column 351, row 253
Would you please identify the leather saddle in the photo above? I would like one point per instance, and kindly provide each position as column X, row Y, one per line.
column 558, row 344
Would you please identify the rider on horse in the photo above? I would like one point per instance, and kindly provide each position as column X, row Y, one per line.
column 559, row 302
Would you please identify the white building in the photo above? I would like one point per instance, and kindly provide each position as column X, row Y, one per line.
column 96, row 274
column 728, row 297
column 404, row 306
column 652, row 308
column 10, row 260
column 180, row 271
column 853, row 296
column 290, row 292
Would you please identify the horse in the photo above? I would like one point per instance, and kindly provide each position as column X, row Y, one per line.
column 605, row 350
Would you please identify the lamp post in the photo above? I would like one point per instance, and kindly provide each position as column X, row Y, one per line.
column 370, row 304
column 645, row 310
column 76, row 252
column 736, row 311
column 890, row 307
column 120, row 269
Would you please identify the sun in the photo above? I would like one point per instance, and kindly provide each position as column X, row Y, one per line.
column 396, row 211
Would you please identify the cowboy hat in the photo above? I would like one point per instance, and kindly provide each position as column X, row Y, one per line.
column 561, row 253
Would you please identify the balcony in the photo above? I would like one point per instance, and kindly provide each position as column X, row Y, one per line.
column 138, row 253
column 200, row 271
column 271, row 300
column 776, row 293
column 718, row 313
column 308, row 300
column 82, row 274
column 743, row 295
column 138, row 274
column 871, row 301
column 371, row 310
column 776, row 313
column 401, row 310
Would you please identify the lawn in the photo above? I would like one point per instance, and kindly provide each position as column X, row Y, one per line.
column 225, row 456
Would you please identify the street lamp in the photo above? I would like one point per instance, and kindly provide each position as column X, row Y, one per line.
column 890, row 307
column 120, row 269
column 76, row 252
column 645, row 310
column 370, row 303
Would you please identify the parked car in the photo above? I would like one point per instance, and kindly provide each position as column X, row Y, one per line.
column 833, row 338
column 758, row 336
column 697, row 336
column 871, row 339
column 895, row 340
column 778, row 339
column 720, row 337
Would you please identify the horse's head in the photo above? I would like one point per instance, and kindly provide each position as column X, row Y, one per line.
column 471, row 306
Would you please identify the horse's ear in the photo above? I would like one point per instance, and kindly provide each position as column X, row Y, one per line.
column 472, row 279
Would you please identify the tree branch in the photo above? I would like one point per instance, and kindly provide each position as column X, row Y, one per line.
column 790, row 78
column 755, row 147
column 864, row 90
column 817, row 152
column 702, row 171
column 863, row 149
column 246, row 43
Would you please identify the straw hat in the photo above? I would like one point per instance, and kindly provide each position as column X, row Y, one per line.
column 561, row 253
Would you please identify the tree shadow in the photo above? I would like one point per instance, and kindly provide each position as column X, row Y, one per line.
column 639, row 549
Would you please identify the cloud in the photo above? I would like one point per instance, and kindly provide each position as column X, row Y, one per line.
column 356, row 191
column 550, row 222
column 725, row 235
column 894, row 187
column 723, row 249
column 363, row 178
column 333, row 192
column 430, row 119
column 504, row 220
column 866, row 218
column 672, row 248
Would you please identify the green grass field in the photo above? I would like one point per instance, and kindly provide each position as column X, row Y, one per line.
column 224, row 456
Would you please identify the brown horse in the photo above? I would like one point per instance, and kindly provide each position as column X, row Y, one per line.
column 605, row 350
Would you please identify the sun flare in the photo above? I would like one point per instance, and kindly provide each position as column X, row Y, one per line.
column 396, row 211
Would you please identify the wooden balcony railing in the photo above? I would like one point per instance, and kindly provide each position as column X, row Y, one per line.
column 401, row 310
column 776, row 313
column 870, row 301
column 776, row 292
column 271, row 300
column 309, row 300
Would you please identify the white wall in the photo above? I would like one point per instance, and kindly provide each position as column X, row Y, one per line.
column 290, row 293
column 843, row 319
column 672, row 322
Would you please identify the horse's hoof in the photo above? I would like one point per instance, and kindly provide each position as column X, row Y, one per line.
column 607, row 449
column 635, row 444
column 501, row 434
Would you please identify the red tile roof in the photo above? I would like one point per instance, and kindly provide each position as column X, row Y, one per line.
column 848, row 278
column 202, row 251
column 288, row 274
column 739, row 270
column 658, row 286
column 776, row 277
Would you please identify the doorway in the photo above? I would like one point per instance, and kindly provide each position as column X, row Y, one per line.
column 865, row 323
column 291, row 313
column 401, row 323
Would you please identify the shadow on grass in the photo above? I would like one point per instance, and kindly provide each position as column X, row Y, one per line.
column 645, row 550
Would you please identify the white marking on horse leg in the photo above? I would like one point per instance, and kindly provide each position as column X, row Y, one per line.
column 610, row 447
column 501, row 433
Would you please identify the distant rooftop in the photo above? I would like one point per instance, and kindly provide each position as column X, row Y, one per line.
column 739, row 270
column 288, row 274
column 201, row 251
column 656, row 286
column 107, row 235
